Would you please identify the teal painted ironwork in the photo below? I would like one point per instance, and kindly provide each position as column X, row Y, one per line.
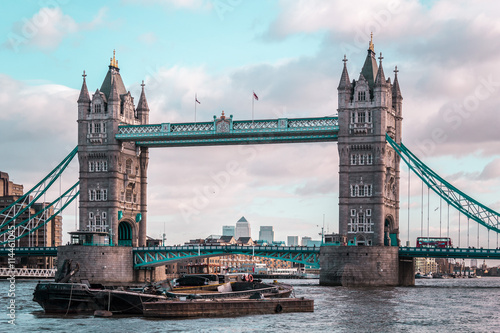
column 266, row 131
column 29, row 251
column 456, row 253
column 23, row 229
column 40, row 213
column 157, row 256
column 26, row 201
column 456, row 198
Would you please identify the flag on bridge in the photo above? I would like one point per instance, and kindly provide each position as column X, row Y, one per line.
column 196, row 99
column 255, row 96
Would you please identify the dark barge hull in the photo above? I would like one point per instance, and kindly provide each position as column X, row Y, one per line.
column 65, row 298
column 225, row 307
column 79, row 298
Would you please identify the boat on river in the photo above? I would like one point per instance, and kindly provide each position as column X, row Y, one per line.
column 65, row 298
column 225, row 307
column 233, row 290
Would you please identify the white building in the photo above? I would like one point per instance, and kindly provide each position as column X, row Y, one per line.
column 292, row 241
column 228, row 230
column 242, row 228
column 266, row 233
column 305, row 240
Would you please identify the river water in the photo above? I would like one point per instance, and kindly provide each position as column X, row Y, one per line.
column 434, row 305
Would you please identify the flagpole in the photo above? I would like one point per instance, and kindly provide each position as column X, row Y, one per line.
column 253, row 97
column 195, row 99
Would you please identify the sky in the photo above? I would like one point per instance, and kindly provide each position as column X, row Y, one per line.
column 290, row 53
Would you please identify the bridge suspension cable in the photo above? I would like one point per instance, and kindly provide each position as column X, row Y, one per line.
column 40, row 219
column 10, row 215
column 452, row 195
column 26, row 201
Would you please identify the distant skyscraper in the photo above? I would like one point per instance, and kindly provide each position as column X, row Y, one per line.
column 293, row 241
column 228, row 230
column 266, row 233
column 242, row 228
column 305, row 240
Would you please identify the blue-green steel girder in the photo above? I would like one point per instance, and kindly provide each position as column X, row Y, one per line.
column 26, row 201
column 157, row 256
column 456, row 198
column 22, row 229
column 266, row 131
column 455, row 253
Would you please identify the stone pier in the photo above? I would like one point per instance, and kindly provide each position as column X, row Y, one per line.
column 106, row 265
column 364, row 266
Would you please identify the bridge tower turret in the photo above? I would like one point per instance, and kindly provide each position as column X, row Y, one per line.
column 113, row 174
column 369, row 168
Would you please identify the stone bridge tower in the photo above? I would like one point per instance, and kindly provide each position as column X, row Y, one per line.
column 368, row 109
column 113, row 174
column 369, row 168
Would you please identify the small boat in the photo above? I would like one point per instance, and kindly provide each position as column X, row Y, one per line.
column 234, row 290
column 225, row 307
column 67, row 298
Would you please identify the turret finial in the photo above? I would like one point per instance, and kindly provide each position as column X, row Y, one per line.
column 371, row 47
column 113, row 61
column 396, row 70
column 345, row 59
column 84, row 75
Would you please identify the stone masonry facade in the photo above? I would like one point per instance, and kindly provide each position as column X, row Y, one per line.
column 368, row 108
column 113, row 174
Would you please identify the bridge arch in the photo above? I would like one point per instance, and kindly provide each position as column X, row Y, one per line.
column 126, row 233
column 390, row 232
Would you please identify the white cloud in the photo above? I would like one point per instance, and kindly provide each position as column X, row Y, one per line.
column 189, row 4
column 47, row 28
column 148, row 38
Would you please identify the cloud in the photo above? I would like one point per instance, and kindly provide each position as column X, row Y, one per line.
column 46, row 29
column 189, row 4
column 148, row 38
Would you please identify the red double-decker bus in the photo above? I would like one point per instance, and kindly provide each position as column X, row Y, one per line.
column 434, row 242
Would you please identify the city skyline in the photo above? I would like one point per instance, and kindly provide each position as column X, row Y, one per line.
column 289, row 54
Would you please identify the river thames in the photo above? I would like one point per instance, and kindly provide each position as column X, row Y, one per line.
column 434, row 305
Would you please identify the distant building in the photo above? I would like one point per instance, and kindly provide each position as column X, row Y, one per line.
column 228, row 230
column 293, row 241
column 242, row 228
column 305, row 240
column 425, row 265
column 266, row 233
column 48, row 234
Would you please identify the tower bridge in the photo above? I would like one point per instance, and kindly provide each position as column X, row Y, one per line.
column 114, row 138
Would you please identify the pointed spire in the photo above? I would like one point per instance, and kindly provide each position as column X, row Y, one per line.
column 113, row 95
column 380, row 79
column 371, row 46
column 113, row 61
column 84, row 93
column 395, row 86
column 344, row 83
column 143, row 104
column 370, row 69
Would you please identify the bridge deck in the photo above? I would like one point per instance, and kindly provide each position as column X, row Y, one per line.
column 152, row 256
column 455, row 253
column 235, row 133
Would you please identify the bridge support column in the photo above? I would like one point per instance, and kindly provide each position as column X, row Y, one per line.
column 406, row 271
column 359, row 266
column 106, row 265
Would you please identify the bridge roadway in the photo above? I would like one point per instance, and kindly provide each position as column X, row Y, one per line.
column 226, row 131
column 157, row 256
